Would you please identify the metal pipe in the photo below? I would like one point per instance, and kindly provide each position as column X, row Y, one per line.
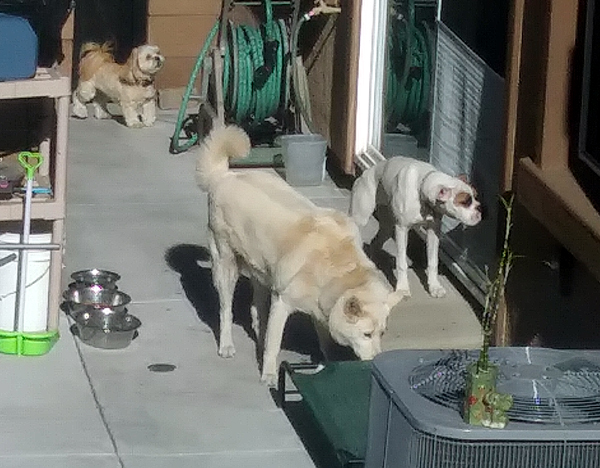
column 274, row 3
column 29, row 246
column 8, row 259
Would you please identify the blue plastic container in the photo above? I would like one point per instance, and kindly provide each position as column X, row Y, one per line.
column 18, row 48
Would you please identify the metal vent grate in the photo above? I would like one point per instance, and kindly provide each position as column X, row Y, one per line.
column 548, row 386
column 429, row 451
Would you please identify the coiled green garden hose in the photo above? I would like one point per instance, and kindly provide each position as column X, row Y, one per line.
column 255, row 79
column 184, row 123
column 409, row 71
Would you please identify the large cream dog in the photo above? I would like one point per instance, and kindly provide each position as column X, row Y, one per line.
column 310, row 258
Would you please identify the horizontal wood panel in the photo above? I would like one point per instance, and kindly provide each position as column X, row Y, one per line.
column 557, row 201
column 175, row 73
column 184, row 7
column 179, row 36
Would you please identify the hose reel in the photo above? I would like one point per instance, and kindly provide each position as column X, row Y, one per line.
column 246, row 75
column 409, row 69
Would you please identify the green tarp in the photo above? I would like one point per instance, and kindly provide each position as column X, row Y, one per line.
column 338, row 398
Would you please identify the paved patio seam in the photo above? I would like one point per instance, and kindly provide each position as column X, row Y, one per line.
column 111, row 436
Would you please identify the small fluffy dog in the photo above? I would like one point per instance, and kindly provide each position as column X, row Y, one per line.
column 309, row 258
column 131, row 85
column 418, row 194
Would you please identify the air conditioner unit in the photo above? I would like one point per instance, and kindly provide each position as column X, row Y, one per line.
column 415, row 419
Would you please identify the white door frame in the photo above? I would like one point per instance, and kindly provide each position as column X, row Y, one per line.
column 370, row 82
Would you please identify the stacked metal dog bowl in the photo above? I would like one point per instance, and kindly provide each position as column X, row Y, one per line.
column 99, row 309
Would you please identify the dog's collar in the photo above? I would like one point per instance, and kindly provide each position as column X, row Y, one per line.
column 143, row 83
column 433, row 171
column 425, row 201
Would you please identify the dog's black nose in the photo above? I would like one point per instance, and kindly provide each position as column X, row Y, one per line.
column 482, row 210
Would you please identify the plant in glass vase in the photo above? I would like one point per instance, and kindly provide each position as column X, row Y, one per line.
column 483, row 406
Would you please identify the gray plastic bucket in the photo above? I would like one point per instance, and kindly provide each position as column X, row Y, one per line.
column 304, row 159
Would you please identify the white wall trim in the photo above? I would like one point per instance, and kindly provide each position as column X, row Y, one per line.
column 371, row 72
column 369, row 158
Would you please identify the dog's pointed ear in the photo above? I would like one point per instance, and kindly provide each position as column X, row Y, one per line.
column 352, row 309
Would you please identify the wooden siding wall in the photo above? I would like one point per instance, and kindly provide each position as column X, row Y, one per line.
column 331, row 59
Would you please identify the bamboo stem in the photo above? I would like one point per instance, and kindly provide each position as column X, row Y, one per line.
column 495, row 293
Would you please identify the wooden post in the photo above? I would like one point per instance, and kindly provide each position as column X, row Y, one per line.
column 502, row 332
column 513, row 71
column 555, row 130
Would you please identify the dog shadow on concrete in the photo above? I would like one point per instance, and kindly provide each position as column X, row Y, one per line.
column 192, row 262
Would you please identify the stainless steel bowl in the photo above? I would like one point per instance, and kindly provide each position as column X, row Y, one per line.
column 110, row 331
column 104, row 318
column 92, row 277
column 97, row 297
column 75, row 285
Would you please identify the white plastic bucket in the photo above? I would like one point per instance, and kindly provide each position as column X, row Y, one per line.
column 35, row 315
column 304, row 159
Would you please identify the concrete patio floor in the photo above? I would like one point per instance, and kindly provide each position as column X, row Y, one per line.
column 134, row 208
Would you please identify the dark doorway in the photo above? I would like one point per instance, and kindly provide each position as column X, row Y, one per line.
column 122, row 22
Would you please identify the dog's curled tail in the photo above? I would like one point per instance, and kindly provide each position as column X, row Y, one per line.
column 88, row 47
column 364, row 200
column 222, row 144
column 92, row 57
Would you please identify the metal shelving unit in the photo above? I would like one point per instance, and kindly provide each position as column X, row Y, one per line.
column 51, row 84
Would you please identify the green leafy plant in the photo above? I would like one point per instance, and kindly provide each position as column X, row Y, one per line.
column 496, row 288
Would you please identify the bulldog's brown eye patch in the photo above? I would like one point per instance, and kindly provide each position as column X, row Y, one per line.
column 463, row 199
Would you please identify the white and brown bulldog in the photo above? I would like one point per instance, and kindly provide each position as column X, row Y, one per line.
column 418, row 194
